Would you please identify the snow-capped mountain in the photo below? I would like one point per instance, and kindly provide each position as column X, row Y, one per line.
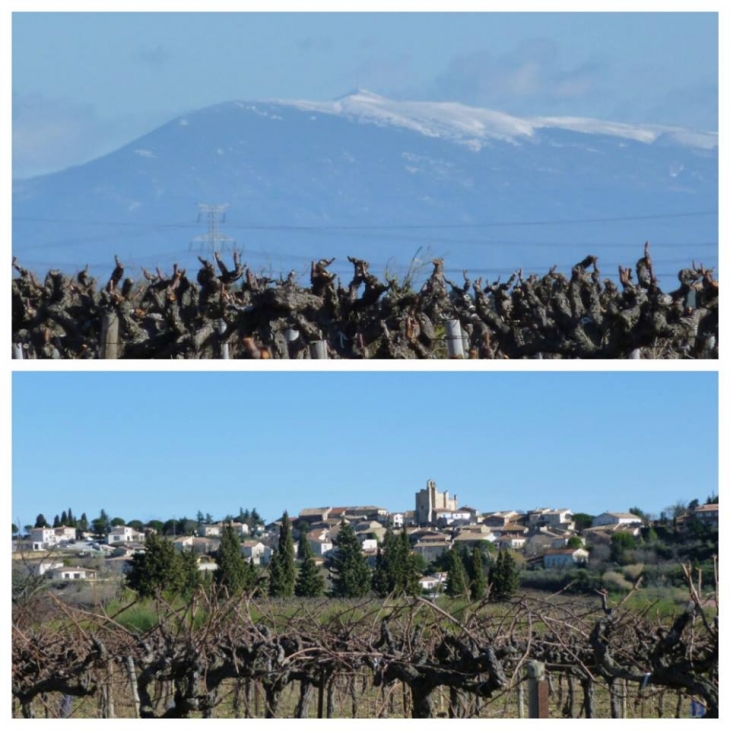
column 382, row 180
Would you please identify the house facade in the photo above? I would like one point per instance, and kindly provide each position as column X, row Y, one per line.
column 46, row 538
column 565, row 558
column 616, row 518
column 257, row 552
column 66, row 573
column 122, row 534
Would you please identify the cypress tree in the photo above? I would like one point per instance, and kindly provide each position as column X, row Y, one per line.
column 409, row 574
column 158, row 568
column 396, row 569
column 478, row 582
column 384, row 578
column 233, row 571
column 282, row 569
column 504, row 577
column 64, row 518
column 310, row 581
column 41, row 521
column 190, row 577
column 351, row 575
column 456, row 580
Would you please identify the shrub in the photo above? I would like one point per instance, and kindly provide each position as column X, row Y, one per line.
column 614, row 581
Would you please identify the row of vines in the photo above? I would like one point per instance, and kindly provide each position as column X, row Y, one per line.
column 232, row 312
column 249, row 657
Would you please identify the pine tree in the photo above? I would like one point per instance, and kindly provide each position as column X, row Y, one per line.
column 456, row 580
column 310, row 581
column 233, row 571
column 282, row 568
column 351, row 575
column 158, row 568
column 503, row 577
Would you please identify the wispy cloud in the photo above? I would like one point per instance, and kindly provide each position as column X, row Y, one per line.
column 378, row 73
column 153, row 56
column 530, row 77
column 314, row 44
column 49, row 134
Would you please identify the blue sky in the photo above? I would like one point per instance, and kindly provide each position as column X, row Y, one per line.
column 85, row 83
column 146, row 445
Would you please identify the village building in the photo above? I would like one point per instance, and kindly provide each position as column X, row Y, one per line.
column 550, row 519
column 499, row 519
column 312, row 515
column 433, row 583
column 565, row 558
column 473, row 538
column 396, row 520
column 616, row 518
column 46, row 538
column 543, row 540
column 708, row 514
column 122, row 534
column 430, row 499
column 510, row 541
column 432, row 546
column 68, row 573
column 452, row 518
column 256, row 552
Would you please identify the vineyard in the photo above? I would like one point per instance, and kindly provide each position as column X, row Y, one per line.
column 216, row 656
column 230, row 312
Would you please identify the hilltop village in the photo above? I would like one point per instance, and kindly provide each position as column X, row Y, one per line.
column 542, row 538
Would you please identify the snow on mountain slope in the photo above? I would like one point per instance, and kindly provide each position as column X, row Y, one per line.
column 474, row 126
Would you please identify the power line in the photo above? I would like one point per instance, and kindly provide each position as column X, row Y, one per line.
column 377, row 227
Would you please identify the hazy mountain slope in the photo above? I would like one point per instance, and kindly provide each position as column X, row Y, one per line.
column 367, row 161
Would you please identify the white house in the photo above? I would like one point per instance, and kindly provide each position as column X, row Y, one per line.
column 256, row 551
column 121, row 534
column 321, row 547
column 396, row 520
column 444, row 517
column 210, row 530
column 432, row 583
column 42, row 566
column 77, row 573
column 206, row 565
column 185, row 542
column 45, row 538
column 615, row 518
column 565, row 558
